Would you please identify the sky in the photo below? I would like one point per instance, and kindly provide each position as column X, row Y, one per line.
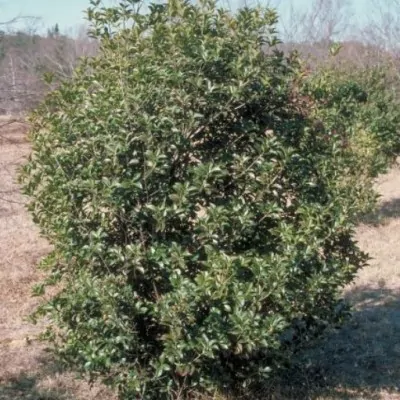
column 69, row 13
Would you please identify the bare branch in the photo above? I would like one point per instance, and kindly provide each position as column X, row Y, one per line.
column 323, row 21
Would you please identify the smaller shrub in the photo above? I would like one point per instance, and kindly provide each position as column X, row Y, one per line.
column 359, row 106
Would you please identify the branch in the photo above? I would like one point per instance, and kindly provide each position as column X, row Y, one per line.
column 18, row 18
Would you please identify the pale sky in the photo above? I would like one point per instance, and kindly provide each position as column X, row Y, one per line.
column 69, row 13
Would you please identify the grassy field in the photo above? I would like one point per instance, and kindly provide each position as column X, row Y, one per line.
column 361, row 361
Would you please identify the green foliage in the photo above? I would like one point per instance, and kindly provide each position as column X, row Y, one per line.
column 201, row 222
column 362, row 107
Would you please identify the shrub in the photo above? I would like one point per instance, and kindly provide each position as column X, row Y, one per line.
column 200, row 222
column 362, row 107
column 359, row 107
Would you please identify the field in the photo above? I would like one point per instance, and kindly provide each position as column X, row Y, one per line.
column 361, row 361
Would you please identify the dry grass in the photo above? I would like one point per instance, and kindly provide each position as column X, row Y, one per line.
column 361, row 361
column 25, row 370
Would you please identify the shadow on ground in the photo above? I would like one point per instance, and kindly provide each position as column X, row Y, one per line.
column 25, row 387
column 385, row 212
column 359, row 361
column 49, row 381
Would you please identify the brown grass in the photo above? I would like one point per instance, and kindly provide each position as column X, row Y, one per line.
column 360, row 361
column 26, row 373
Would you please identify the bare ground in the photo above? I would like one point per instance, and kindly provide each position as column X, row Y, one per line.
column 26, row 372
column 360, row 361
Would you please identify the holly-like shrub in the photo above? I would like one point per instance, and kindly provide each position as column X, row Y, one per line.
column 362, row 107
column 201, row 222
column 359, row 107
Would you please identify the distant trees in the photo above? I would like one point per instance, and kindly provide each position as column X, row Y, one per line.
column 383, row 28
column 53, row 31
column 26, row 56
column 370, row 39
column 322, row 21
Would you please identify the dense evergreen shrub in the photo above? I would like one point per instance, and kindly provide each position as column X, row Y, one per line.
column 201, row 220
column 361, row 106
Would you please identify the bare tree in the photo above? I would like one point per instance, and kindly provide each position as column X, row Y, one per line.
column 323, row 21
column 61, row 53
column 26, row 56
column 383, row 26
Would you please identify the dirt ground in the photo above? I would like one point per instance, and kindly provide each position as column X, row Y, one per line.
column 26, row 373
column 360, row 361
